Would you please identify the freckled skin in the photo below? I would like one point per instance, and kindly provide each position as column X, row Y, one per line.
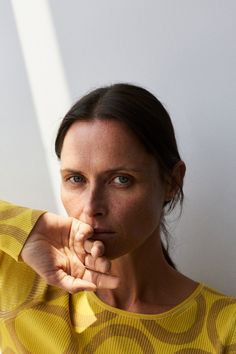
column 109, row 181
column 131, row 205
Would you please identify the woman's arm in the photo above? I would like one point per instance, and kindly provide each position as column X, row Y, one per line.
column 57, row 248
column 16, row 223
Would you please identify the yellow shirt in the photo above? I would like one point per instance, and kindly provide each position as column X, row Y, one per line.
column 37, row 318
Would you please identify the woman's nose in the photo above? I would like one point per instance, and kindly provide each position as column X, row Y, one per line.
column 94, row 202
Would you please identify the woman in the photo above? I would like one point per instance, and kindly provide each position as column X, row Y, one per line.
column 121, row 173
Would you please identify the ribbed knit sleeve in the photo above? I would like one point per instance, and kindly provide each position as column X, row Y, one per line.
column 232, row 347
column 16, row 223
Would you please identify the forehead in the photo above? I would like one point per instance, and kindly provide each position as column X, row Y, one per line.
column 103, row 141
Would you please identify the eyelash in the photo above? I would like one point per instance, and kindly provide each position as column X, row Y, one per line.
column 125, row 184
column 72, row 180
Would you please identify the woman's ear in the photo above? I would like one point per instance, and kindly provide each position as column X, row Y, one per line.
column 175, row 181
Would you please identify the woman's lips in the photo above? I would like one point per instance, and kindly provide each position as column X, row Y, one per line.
column 103, row 234
column 98, row 230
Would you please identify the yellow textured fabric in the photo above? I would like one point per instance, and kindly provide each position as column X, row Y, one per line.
column 37, row 318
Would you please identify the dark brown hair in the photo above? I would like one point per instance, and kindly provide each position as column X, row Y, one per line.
column 145, row 116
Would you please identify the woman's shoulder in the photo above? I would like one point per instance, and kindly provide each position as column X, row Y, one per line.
column 214, row 294
column 217, row 304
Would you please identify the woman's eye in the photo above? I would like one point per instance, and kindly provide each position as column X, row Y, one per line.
column 76, row 179
column 122, row 180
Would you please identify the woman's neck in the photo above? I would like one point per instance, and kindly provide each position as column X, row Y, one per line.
column 148, row 284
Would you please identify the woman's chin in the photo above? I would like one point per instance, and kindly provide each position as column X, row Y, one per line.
column 114, row 253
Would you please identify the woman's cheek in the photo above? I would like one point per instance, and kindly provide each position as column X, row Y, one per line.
column 69, row 204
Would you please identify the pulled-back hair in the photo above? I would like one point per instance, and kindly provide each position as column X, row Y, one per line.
column 145, row 116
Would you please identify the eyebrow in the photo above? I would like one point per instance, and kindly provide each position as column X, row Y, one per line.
column 118, row 168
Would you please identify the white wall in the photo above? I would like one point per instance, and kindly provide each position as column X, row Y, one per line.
column 184, row 51
column 24, row 174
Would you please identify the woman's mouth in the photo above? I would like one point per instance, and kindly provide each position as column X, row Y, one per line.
column 103, row 234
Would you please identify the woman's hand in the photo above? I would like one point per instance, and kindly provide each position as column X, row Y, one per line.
column 59, row 250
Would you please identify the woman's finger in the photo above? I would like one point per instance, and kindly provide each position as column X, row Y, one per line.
column 72, row 284
column 100, row 264
column 79, row 233
column 102, row 281
column 95, row 247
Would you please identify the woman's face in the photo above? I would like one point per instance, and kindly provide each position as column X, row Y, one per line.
column 110, row 182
